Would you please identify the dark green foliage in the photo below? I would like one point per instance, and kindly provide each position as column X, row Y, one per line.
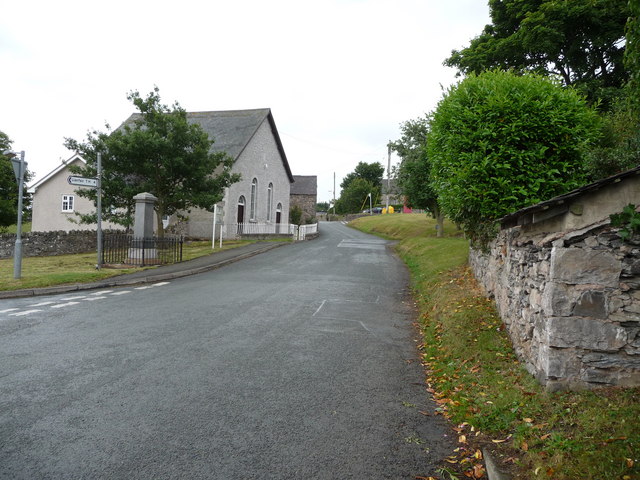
column 295, row 215
column 159, row 152
column 355, row 197
column 372, row 172
column 628, row 221
column 632, row 55
column 414, row 173
column 9, row 187
column 499, row 142
column 322, row 207
column 580, row 41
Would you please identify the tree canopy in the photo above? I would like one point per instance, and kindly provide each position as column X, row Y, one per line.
column 372, row 172
column 499, row 142
column 354, row 196
column 9, row 187
column 414, row 173
column 158, row 152
column 581, row 42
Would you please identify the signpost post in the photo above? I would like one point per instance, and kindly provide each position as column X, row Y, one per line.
column 93, row 183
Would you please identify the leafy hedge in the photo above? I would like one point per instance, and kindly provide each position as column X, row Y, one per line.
column 499, row 142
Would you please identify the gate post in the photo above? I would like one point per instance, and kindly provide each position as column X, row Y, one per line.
column 143, row 245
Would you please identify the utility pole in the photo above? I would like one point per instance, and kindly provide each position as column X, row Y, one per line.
column 334, row 193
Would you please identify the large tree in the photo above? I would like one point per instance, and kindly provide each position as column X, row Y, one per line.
column 371, row 172
column 414, row 173
column 499, row 142
column 581, row 42
column 157, row 151
column 9, row 187
column 355, row 196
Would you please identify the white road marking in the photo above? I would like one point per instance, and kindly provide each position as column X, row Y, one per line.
column 143, row 288
column 7, row 310
column 123, row 292
column 319, row 308
column 159, row 284
column 26, row 312
column 94, row 298
column 68, row 299
column 61, row 305
column 42, row 304
column 101, row 292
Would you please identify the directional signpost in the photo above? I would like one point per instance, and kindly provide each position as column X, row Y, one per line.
column 82, row 181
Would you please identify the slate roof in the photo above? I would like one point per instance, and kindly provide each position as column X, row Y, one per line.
column 304, row 185
column 233, row 129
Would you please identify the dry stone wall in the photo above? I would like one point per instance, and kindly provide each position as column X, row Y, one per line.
column 36, row 244
column 570, row 302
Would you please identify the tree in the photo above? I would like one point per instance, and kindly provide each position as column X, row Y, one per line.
column 499, row 142
column 355, row 196
column 159, row 152
column 582, row 42
column 322, row 206
column 372, row 172
column 414, row 174
column 9, row 188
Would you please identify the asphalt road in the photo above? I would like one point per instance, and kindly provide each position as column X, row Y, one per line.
column 299, row 363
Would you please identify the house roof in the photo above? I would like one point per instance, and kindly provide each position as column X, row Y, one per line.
column 304, row 185
column 233, row 129
column 56, row 170
column 517, row 218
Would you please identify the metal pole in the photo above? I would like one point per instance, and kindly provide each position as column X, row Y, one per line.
column 370, row 206
column 213, row 234
column 334, row 193
column 17, row 252
column 388, row 173
column 99, row 212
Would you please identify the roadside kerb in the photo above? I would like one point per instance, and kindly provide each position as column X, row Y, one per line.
column 126, row 280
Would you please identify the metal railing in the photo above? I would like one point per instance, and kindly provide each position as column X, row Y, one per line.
column 125, row 249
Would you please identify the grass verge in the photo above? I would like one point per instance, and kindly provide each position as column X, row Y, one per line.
column 479, row 384
column 40, row 272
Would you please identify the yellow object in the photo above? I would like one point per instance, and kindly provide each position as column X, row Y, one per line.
column 390, row 209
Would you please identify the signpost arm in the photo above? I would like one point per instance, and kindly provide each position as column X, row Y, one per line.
column 99, row 212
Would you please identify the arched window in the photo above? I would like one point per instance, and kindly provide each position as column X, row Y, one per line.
column 269, row 201
column 253, row 207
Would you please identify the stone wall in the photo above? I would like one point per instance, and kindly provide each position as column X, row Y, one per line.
column 307, row 204
column 570, row 302
column 36, row 244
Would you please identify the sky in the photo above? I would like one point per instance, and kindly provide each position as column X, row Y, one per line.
column 340, row 76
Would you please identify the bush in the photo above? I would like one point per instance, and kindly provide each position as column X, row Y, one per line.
column 499, row 142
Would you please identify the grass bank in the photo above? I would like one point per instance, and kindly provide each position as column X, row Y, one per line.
column 479, row 384
column 39, row 272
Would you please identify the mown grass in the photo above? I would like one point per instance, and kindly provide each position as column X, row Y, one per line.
column 39, row 272
column 479, row 384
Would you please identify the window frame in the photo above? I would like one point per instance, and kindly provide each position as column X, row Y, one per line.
column 69, row 200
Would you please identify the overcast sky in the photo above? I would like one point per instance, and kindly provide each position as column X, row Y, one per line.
column 339, row 75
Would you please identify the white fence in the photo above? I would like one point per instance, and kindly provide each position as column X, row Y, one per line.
column 237, row 230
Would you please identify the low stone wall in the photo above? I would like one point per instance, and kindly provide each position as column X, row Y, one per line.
column 37, row 244
column 570, row 302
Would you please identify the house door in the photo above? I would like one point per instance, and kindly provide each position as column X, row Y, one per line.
column 278, row 217
column 240, row 219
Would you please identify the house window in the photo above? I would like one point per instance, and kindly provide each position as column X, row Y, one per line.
column 269, row 201
column 67, row 203
column 253, row 207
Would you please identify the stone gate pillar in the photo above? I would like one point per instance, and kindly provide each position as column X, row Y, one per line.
column 143, row 250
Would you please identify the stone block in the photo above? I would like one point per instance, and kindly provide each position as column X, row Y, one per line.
column 558, row 300
column 578, row 266
column 585, row 333
column 591, row 304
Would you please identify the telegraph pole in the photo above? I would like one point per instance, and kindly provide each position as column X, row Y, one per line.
column 388, row 173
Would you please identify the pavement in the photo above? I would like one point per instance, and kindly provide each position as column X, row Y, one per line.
column 162, row 273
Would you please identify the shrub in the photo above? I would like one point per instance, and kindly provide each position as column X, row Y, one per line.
column 499, row 142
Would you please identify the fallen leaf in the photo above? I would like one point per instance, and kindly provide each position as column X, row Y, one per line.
column 525, row 446
column 478, row 455
column 545, row 436
column 528, row 420
column 499, row 441
column 450, row 461
column 478, row 471
column 550, row 472
column 537, row 470
column 629, row 462
column 462, row 439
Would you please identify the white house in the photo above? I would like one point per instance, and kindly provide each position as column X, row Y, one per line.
column 260, row 197
column 56, row 202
